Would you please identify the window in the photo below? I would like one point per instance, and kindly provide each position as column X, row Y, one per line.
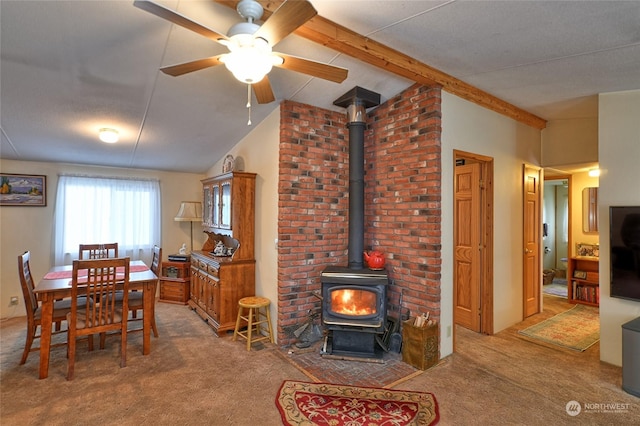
column 105, row 210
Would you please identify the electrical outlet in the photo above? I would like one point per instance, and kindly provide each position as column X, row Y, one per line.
column 14, row 301
column 448, row 331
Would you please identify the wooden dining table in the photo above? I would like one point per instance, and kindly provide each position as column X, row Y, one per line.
column 56, row 284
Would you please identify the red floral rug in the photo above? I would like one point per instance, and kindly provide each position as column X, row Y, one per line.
column 309, row 404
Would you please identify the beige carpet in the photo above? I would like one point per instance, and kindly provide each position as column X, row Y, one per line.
column 192, row 377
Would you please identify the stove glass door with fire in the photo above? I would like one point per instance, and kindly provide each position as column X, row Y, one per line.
column 351, row 302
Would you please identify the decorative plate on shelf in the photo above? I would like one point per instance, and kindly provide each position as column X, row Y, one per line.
column 227, row 166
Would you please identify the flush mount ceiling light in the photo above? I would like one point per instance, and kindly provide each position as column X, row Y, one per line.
column 594, row 172
column 109, row 135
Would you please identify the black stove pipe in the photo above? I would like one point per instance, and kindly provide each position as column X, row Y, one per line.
column 356, row 114
column 356, row 101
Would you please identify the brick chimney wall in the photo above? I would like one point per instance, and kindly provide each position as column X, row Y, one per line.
column 402, row 201
column 402, row 195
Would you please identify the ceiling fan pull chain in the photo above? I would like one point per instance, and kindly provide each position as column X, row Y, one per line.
column 249, row 103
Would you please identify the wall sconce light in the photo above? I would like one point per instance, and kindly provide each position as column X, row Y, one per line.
column 108, row 135
column 594, row 173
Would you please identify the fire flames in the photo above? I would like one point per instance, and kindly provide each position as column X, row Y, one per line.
column 353, row 302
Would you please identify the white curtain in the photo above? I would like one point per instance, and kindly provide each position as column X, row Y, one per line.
column 105, row 210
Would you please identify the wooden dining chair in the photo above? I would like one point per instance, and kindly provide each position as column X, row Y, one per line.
column 136, row 298
column 34, row 310
column 98, row 251
column 94, row 309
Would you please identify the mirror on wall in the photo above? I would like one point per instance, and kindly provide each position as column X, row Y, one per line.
column 590, row 209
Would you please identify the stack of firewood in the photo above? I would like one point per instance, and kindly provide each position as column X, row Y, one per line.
column 423, row 320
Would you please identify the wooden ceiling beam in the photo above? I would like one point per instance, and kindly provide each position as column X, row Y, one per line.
column 341, row 39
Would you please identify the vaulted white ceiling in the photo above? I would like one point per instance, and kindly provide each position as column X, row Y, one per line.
column 69, row 68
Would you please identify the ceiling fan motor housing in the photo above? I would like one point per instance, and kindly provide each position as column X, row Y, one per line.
column 250, row 10
column 244, row 28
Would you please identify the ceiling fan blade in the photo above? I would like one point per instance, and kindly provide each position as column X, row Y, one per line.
column 289, row 16
column 187, row 67
column 313, row 68
column 178, row 19
column 263, row 91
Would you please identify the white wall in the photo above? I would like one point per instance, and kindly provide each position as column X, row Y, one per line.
column 571, row 141
column 471, row 128
column 579, row 181
column 260, row 153
column 619, row 150
column 31, row 228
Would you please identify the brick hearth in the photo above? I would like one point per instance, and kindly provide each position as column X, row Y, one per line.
column 402, row 201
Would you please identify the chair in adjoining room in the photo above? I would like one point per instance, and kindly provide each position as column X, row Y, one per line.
column 94, row 309
column 136, row 298
column 34, row 310
column 98, row 251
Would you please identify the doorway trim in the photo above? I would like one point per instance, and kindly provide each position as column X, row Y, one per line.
column 566, row 177
column 486, row 240
column 532, row 196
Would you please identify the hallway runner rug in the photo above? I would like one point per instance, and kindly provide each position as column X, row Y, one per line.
column 309, row 404
column 576, row 329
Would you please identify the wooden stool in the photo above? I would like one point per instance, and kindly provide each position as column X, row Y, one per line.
column 254, row 304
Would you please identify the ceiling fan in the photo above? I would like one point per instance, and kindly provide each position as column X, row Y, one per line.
column 250, row 56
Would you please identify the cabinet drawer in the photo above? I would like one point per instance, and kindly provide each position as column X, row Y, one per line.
column 213, row 271
column 171, row 291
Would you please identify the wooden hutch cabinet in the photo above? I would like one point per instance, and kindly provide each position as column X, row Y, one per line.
column 229, row 209
column 218, row 282
column 216, row 286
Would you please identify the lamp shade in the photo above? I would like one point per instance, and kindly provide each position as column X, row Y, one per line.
column 190, row 211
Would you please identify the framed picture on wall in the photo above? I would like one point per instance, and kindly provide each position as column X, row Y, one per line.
column 23, row 190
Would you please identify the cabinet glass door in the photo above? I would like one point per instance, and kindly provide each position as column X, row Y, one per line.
column 215, row 216
column 206, row 209
column 225, row 208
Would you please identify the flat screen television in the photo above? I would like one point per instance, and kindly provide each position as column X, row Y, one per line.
column 624, row 237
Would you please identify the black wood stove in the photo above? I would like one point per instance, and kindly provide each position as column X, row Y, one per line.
column 354, row 298
column 354, row 310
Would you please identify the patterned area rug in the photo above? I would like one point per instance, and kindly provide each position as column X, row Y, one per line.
column 576, row 329
column 340, row 405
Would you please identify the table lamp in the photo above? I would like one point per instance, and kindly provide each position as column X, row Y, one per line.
column 190, row 211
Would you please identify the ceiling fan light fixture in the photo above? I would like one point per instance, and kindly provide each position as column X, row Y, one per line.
column 108, row 135
column 249, row 59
